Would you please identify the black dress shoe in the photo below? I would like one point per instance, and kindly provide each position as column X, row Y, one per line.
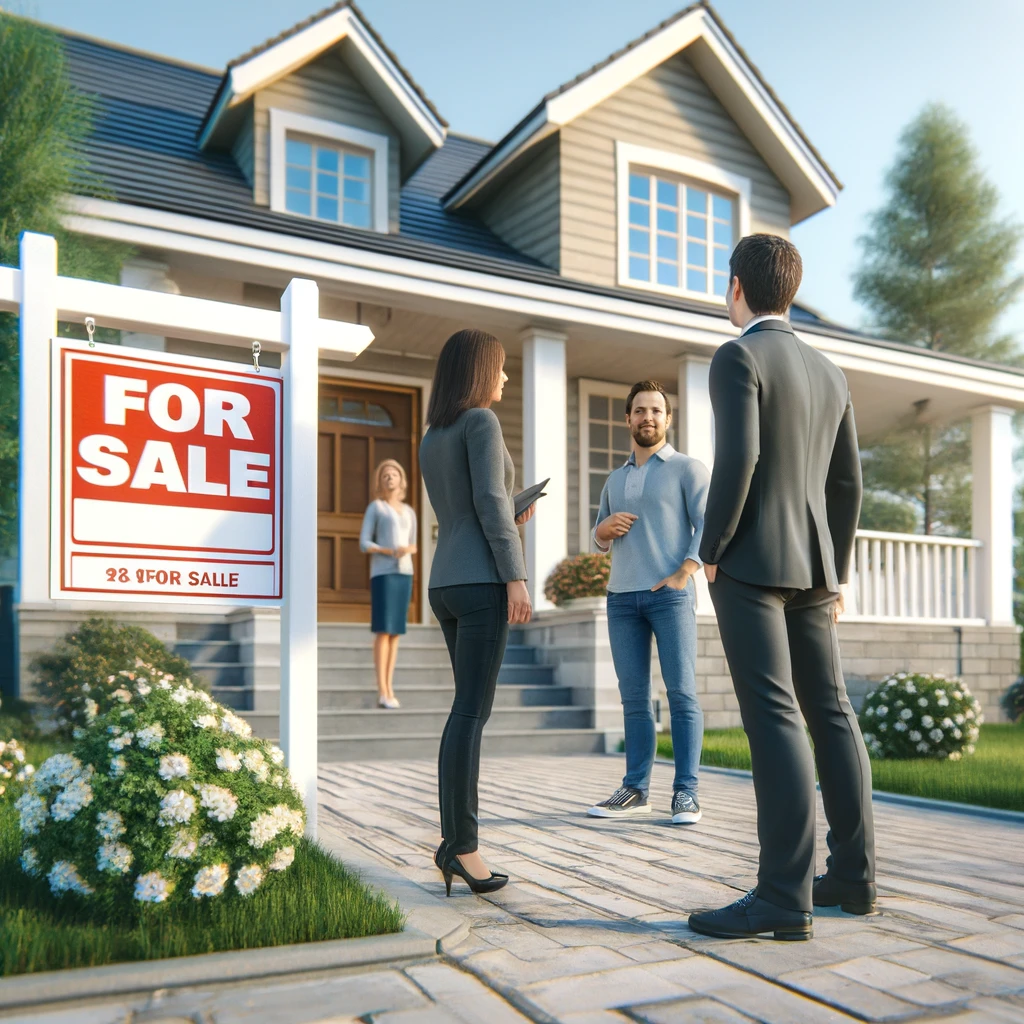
column 749, row 917
column 851, row 897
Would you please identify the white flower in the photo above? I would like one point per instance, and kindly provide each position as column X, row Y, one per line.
column 958, row 695
column 220, row 803
column 70, row 800
column 910, row 687
column 940, row 694
column 881, row 711
column 114, row 730
column 164, row 683
column 25, row 774
column 936, row 735
column 927, row 721
column 86, row 688
column 177, row 806
column 182, row 695
column 249, row 878
column 922, row 702
column 969, row 713
column 205, row 722
column 92, row 709
column 946, row 723
column 57, row 770
column 969, row 748
column 210, row 881
column 183, row 846
column 869, row 738
column 943, row 702
column 114, row 858
column 207, row 839
column 901, row 675
column 122, row 741
column 233, row 724
column 265, row 827
column 117, row 766
column 914, row 736
column 869, row 713
column 900, row 726
column 205, row 698
column 64, row 877
column 228, row 760
column 955, row 755
column 973, row 732
column 77, row 733
column 957, row 734
column 254, row 761
column 276, row 755
column 906, row 714
column 121, row 694
column 152, row 887
column 110, row 825
column 152, row 736
column 923, row 747
column 174, row 766
column 283, row 859
column 144, row 689
column 30, row 861
column 959, row 719
column 128, row 712
column 278, row 780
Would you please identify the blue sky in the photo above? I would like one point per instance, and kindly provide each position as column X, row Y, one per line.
column 852, row 74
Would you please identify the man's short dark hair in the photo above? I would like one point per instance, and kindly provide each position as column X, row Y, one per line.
column 769, row 269
column 647, row 385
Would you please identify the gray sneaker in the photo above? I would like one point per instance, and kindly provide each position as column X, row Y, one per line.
column 685, row 809
column 625, row 801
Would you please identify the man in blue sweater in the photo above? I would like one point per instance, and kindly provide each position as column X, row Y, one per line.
column 652, row 519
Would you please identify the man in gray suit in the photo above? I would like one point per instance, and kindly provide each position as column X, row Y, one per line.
column 779, row 529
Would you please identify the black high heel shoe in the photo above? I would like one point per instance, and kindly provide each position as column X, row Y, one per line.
column 453, row 866
column 439, row 855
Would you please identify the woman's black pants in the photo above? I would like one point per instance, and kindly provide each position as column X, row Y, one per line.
column 474, row 620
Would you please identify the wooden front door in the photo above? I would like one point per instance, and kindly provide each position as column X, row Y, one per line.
column 360, row 425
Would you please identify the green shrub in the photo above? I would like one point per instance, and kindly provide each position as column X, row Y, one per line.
column 1013, row 701
column 918, row 715
column 584, row 575
column 93, row 660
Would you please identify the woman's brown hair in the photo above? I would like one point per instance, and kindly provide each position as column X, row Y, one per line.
column 467, row 372
column 378, row 486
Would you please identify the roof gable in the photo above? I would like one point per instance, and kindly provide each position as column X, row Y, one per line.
column 420, row 126
column 728, row 72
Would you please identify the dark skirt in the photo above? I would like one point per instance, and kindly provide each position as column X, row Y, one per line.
column 389, row 602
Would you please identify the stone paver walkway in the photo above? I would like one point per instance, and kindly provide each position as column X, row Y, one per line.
column 592, row 928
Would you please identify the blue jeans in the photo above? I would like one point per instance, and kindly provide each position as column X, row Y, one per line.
column 670, row 615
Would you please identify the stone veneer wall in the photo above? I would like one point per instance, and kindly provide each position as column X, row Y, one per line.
column 577, row 643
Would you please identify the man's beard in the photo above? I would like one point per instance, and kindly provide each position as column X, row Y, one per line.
column 648, row 437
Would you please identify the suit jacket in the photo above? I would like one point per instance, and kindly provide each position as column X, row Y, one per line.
column 785, row 491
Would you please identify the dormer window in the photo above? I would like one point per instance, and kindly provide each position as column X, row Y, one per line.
column 678, row 221
column 328, row 171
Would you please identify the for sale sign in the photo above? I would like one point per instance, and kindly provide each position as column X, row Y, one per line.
column 166, row 477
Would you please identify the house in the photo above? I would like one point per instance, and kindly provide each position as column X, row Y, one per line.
column 593, row 239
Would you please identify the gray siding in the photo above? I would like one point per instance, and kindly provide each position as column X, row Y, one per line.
column 326, row 89
column 524, row 210
column 242, row 150
column 670, row 109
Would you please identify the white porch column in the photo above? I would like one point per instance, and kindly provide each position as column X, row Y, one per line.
column 153, row 276
column 695, row 434
column 37, row 326
column 300, row 311
column 545, row 454
column 992, row 510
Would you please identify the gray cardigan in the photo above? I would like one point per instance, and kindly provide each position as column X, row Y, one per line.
column 385, row 527
column 470, row 479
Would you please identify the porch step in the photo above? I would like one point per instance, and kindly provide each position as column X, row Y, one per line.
column 495, row 743
column 342, row 697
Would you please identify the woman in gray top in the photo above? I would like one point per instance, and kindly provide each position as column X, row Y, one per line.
column 477, row 577
column 389, row 537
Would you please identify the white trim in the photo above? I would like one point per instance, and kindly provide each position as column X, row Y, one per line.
column 628, row 155
column 284, row 121
column 787, row 145
column 427, row 517
column 588, row 386
column 264, row 68
column 368, row 270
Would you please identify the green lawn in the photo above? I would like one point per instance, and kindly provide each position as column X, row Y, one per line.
column 992, row 777
column 316, row 899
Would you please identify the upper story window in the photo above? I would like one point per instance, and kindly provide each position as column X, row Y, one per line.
column 678, row 222
column 328, row 182
column 328, row 171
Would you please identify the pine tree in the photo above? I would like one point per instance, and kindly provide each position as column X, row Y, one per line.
column 43, row 123
column 937, row 272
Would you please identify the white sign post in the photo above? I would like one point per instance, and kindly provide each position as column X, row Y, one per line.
column 171, row 479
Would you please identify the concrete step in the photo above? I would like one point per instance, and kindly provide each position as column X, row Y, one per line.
column 340, row 655
column 520, row 654
column 426, row 721
column 496, row 743
column 359, row 633
column 202, row 631
column 336, row 698
column 208, row 651
column 220, row 675
column 434, row 675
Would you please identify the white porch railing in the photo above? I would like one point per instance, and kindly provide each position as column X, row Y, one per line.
column 914, row 578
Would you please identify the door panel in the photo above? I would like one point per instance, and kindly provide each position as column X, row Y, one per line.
column 360, row 426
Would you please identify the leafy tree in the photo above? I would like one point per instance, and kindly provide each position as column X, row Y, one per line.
column 43, row 123
column 937, row 273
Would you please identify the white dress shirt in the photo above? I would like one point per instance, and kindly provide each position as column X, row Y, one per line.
column 757, row 319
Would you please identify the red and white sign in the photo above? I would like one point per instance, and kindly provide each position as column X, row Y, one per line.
column 166, row 477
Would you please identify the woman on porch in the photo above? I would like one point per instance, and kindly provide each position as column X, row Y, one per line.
column 389, row 536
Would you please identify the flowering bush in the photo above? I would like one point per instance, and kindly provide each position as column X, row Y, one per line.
column 584, row 575
column 80, row 675
column 166, row 796
column 13, row 764
column 911, row 716
column 1013, row 701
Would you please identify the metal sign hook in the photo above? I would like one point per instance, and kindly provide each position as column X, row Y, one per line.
column 256, row 350
column 90, row 329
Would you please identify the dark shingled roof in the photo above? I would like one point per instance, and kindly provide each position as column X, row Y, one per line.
column 143, row 149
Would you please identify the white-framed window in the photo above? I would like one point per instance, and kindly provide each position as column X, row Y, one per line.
column 678, row 221
column 604, row 444
column 328, row 171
